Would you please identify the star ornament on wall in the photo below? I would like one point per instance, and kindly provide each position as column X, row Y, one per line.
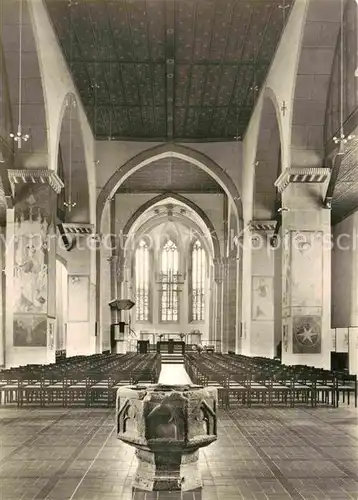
column 308, row 337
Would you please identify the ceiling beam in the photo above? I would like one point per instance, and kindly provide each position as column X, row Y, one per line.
column 169, row 65
column 336, row 166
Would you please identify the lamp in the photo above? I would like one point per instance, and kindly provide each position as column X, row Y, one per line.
column 19, row 136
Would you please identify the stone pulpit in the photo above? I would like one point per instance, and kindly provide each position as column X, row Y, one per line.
column 167, row 425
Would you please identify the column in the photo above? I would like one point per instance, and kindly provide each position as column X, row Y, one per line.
column 212, row 309
column 306, row 267
column 262, row 342
column 81, row 329
column 218, row 277
column 31, row 268
column 2, row 293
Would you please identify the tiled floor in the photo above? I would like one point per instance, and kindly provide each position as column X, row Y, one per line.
column 261, row 454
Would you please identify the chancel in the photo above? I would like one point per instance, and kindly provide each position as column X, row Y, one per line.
column 178, row 225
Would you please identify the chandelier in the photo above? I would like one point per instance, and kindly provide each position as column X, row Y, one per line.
column 18, row 137
column 69, row 203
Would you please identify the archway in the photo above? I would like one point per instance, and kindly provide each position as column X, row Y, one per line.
column 265, row 332
column 73, row 202
column 151, row 155
column 165, row 218
column 145, row 159
column 186, row 201
column 73, row 208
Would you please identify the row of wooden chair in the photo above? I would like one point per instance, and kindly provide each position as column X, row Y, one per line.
column 248, row 381
column 86, row 381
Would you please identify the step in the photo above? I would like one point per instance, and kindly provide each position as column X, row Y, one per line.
column 172, row 359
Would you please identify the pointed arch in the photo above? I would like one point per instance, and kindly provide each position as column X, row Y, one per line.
column 186, row 201
column 163, row 151
column 70, row 150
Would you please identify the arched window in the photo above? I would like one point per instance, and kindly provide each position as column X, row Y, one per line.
column 198, row 273
column 142, row 281
column 169, row 278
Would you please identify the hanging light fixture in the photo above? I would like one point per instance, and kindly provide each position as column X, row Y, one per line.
column 356, row 71
column 342, row 139
column 19, row 136
column 70, row 204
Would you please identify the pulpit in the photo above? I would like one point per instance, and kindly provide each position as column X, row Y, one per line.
column 167, row 425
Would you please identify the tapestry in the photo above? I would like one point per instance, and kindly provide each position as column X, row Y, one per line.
column 30, row 330
column 262, row 298
column 30, row 260
column 306, row 334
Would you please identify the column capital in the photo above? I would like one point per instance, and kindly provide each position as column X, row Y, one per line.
column 304, row 175
column 262, row 225
column 35, row 176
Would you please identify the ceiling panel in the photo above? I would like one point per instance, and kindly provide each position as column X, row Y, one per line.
column 122, row 54
column 345, row 196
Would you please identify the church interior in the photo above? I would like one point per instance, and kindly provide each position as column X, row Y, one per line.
column 155, row 344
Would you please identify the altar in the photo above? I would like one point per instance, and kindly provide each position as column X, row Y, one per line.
column 171, row 346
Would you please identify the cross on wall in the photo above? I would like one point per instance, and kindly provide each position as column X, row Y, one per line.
column 284, row 108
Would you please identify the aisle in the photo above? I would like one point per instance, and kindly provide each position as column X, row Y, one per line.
column 174, row 374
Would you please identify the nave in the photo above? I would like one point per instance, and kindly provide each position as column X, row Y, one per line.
column 262, row 453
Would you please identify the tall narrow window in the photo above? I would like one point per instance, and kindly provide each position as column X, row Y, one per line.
column 198, row 273
column 169, row 277
column 142, row 281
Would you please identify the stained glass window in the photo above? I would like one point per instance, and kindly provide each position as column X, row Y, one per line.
column 169, row 278
column 198, row 273
column 142, row 281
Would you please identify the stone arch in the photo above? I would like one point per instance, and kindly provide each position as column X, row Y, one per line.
column 150, row 155
column 184, row 200
column 267, row 165
column 319, row 38
column 70, row 143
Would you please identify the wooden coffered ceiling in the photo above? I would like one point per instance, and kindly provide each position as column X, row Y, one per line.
column 169, row 69
column 345, row 195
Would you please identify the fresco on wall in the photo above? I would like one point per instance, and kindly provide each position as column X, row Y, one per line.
column 306, row 268
column 306, row 334
column 286, row 271
column 51, row 333
column 262, row 298
column 30, row 260
column 78, row 291
column 285, row 337
column 342, row 339
column 30, row 330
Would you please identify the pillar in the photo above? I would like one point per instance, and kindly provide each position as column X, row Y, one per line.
column 262, row 342
column 218, row 278
column 306, row 267
column 212, row 309
column 81, row 332
column 31, row 268
column 229, row 305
